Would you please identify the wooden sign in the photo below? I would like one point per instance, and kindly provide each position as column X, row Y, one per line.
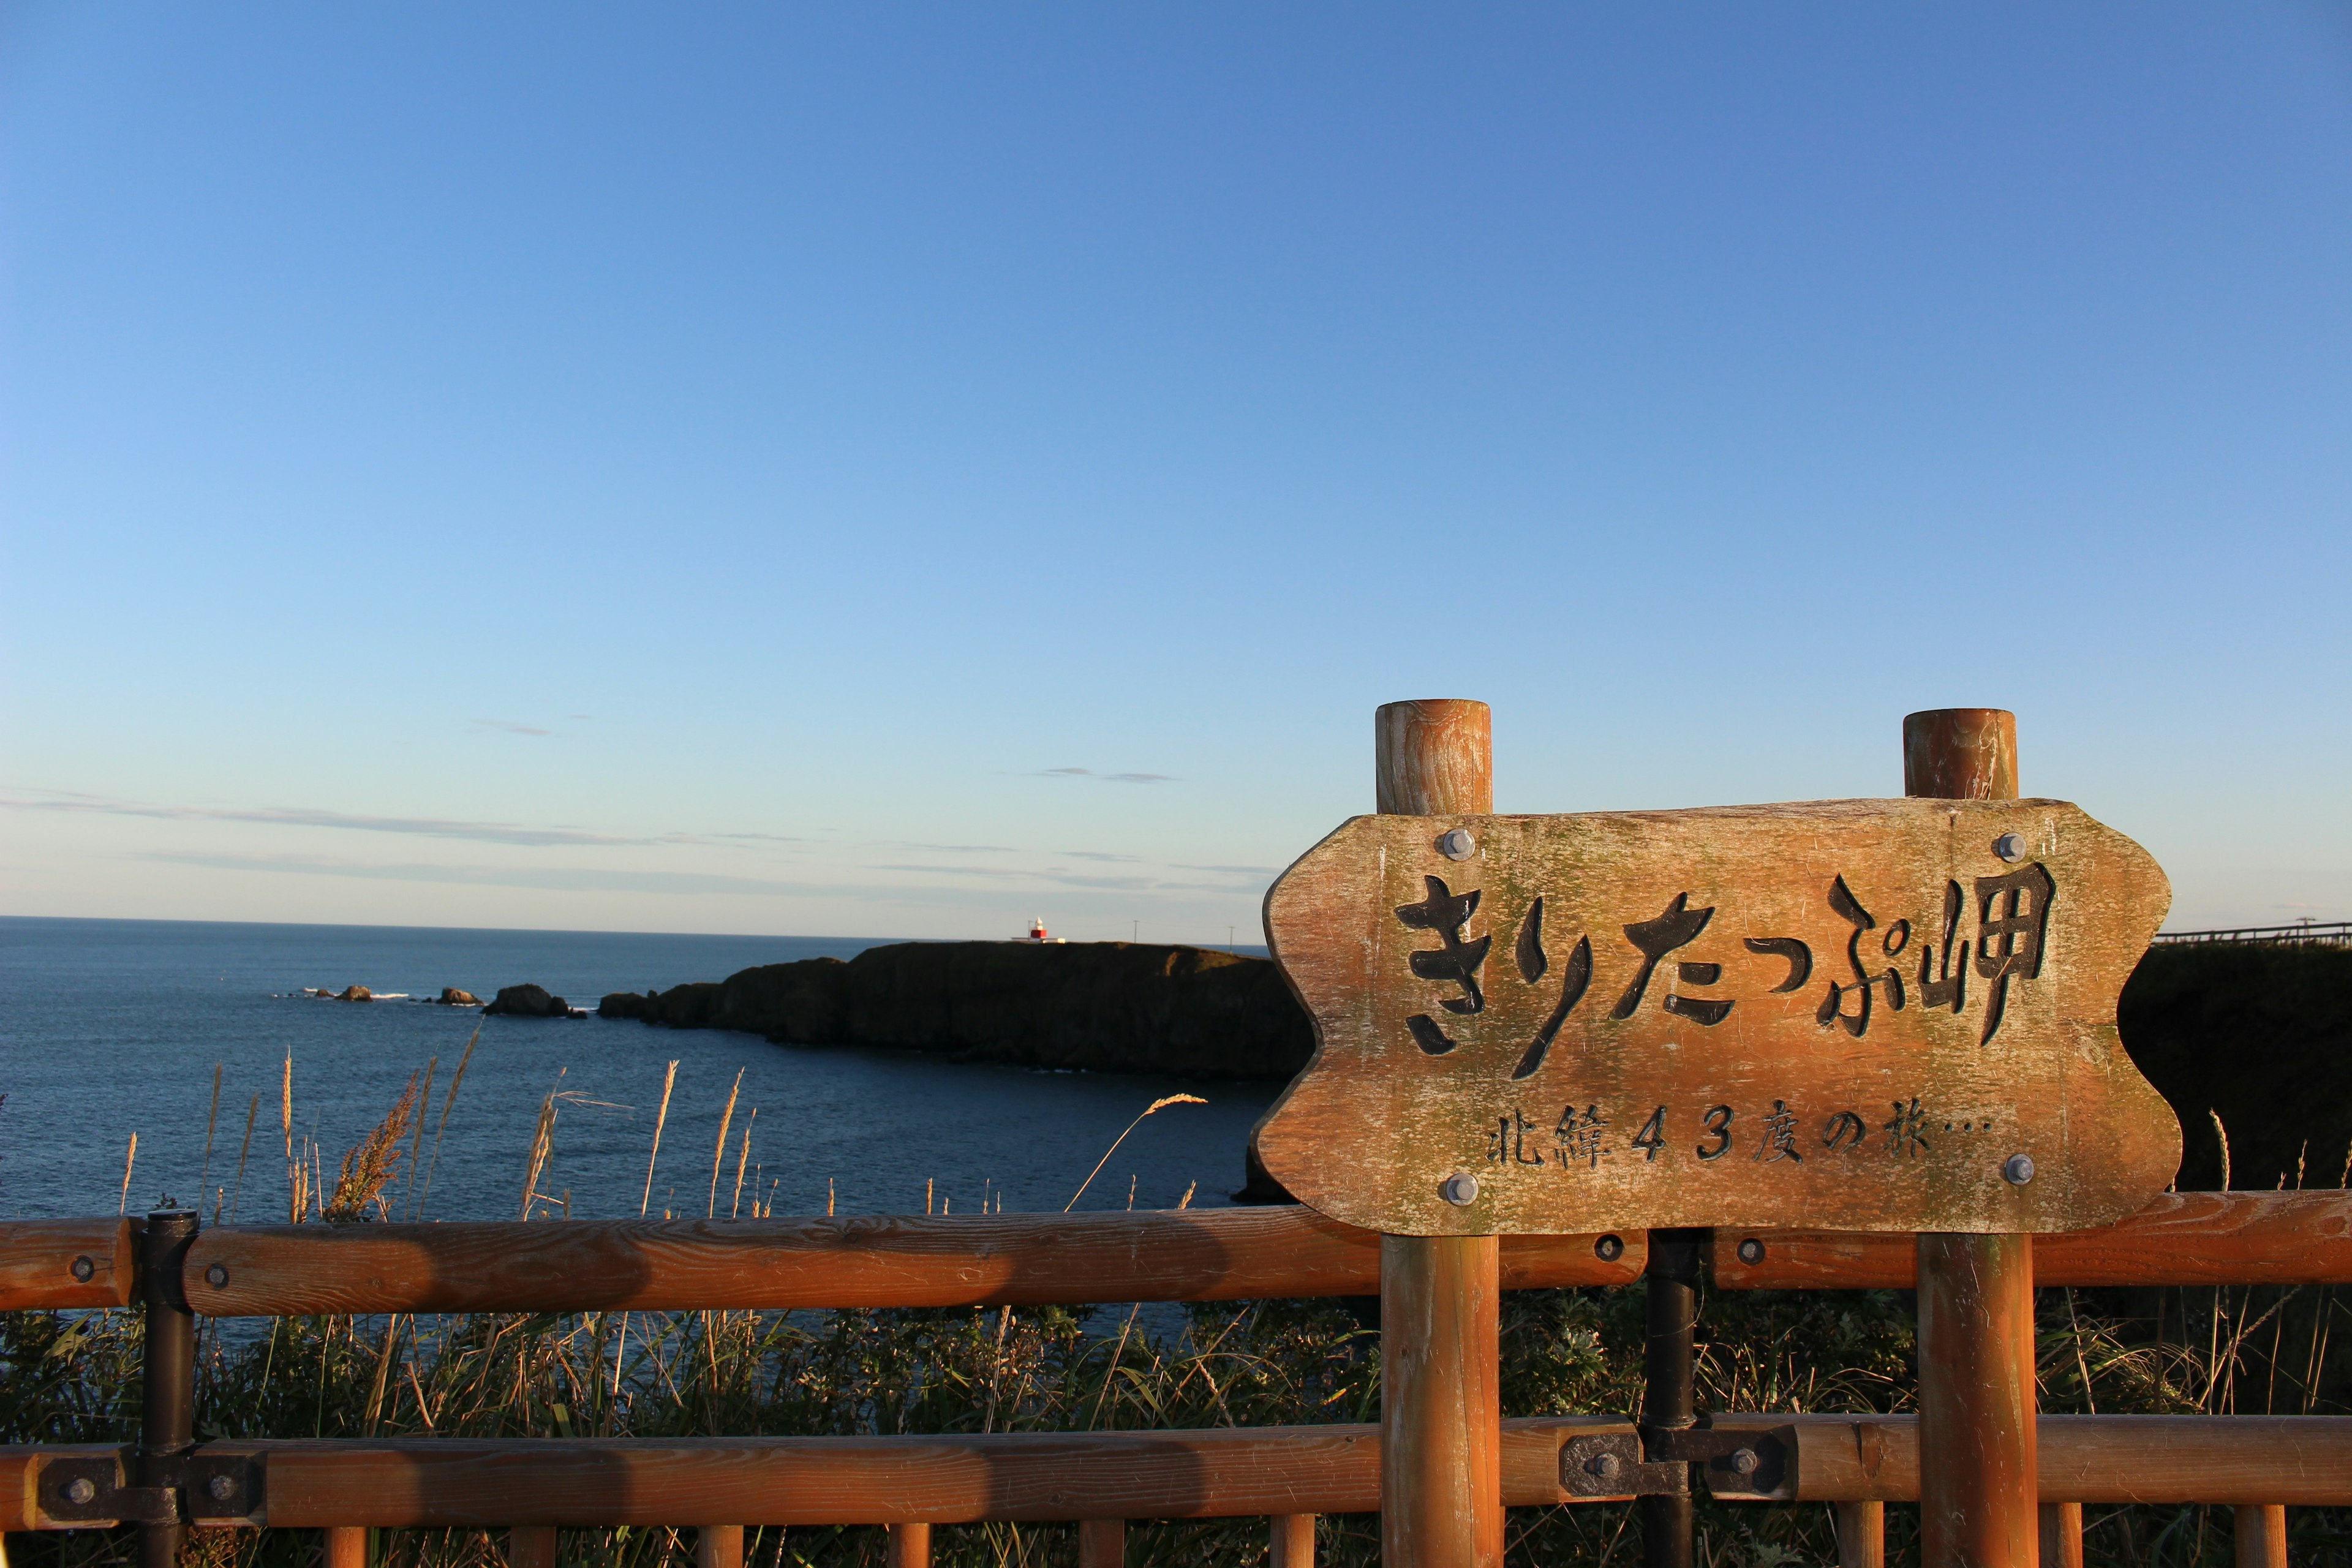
column 1863, row 1014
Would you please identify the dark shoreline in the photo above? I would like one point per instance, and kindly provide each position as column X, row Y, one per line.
column 1107, row 1006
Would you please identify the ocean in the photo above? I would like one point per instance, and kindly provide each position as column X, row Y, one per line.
column 114, row 1028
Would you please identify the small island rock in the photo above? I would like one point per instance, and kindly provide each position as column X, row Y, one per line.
column 356, row 994
column 452, row 997
column 528, row 1002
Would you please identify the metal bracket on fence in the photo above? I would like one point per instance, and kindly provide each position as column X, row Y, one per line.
column 1740, row 1464
column 215, row 1488
column 1610, row 1464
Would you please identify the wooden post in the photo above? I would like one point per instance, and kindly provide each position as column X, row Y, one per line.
column 2262, row 1535
column 1977, row 1485
column 528, row 1546
column 2062, row 1535
column 1441, row 1401
column 1102, row 1544
column 347, row 1546
column 1293, row 1545
column 719, row 1546
column 1861, row 1535
column 910, row 1545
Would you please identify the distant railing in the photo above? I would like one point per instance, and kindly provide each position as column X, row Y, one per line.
column 2303, row 934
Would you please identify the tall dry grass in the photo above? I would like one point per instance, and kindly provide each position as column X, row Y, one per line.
column 69, row 1377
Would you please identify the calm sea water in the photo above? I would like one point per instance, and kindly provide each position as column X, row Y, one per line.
column 113, row 1028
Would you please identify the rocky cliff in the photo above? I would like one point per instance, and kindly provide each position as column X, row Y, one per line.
column 1107, row 1006
column 2260, row 1035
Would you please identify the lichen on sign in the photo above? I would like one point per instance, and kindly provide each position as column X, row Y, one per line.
column 1867, row 1015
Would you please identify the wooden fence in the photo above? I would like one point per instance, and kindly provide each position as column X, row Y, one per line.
column 166, row 1482
column 1997, row 1484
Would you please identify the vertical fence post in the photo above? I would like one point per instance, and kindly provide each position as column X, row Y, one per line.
column 910, row 1545
column 530, row 1546
column 2262, row 1535
column 1976, row 1458
column 167, row 1412
column 2062, row 1535
column 1669, row 1399
column 719, row 1546
column 347, row 1546
column 1441, row 1404
column 1293, row 1542
column 1102, row 1544
column 1861, row 1535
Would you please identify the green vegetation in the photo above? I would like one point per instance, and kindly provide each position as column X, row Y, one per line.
column 72, row 1379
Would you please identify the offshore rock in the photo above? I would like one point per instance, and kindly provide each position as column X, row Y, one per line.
column 452, row 997
column 528, row 1002
column 355, row 993
column 1107, row 1006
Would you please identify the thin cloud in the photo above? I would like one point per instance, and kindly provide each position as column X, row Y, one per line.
column 554, row 878
column 1230, row 870
column 510, row 727
column 1106, row 778
column 299, row 817
column 1098, row 855
column 606, row 880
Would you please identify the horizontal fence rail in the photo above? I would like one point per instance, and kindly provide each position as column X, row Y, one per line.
column 1168, row 1255
column 430, row 1483
column 2181, row 1239
column 457, row 1482
column 67, row 1263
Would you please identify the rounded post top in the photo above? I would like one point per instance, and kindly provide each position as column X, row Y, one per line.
column 1433, row 757
column 1960, row 753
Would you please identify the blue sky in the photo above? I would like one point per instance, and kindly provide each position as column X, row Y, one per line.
column 731, row 468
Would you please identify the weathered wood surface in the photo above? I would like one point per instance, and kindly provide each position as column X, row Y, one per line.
column 1861, row 1534
column 2181, row 1239
column 1168, row 1254
column 1102, row 1544
column 2260, row 1536
column 1238, row 1472
column 719, row 1546
column 2297, row 1460
column 1441, row 1405
column 2289, row 1460
column 42, row 1262
column 1977, row 1391
column 1290, row 1541
column 1441, row 1402
column 1579, row 1059
column 528, row 1546
column 2062, row 1533
column 910, row 1544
